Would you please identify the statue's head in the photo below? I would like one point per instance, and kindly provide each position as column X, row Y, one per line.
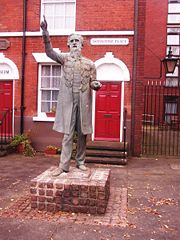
column 75, row 42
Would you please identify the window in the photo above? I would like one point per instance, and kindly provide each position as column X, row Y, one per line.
column 48, row 87
column 172, row 82
column 173, row 18
column 60, row 14
column 173, row 39
column 172, row 79
column 171, row 107
column 174, row 7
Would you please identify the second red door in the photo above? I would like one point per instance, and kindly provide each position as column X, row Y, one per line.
column 107, row 115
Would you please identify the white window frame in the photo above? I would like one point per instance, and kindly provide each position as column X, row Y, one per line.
column 40, row 81
column 59, row 31
column 41, row 116
column 173, row 40
column 174, row 7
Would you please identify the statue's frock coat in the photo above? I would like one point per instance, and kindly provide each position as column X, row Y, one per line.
column 65, row 97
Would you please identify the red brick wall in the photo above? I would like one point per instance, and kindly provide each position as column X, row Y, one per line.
column 105, row 15
column 11, row 15
column 151, row 48
column 138, row 78
column 155, row 37
column 33, row 15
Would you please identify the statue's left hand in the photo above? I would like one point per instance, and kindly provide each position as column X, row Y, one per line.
column 96, row 85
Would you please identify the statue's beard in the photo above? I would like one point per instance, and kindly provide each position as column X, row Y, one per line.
column 75, row 52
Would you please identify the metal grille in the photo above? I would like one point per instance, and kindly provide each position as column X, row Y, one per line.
column 161, row 120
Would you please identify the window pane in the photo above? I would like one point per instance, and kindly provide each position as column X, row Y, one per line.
column 69, row 9
column 46, row 95
column 50, row 21
column 55, row 95
column 171, row 108
column 45, row 70
column 56, row 70
column 69, row 23
column 45, row 107
column 45, row 82
column 175, row 50
column 54, row 106
column 59, row 22
column 174, row 18
column 174, row 8
column 49, row 13
column 173, row 40
column 173, row 30
column 59, row 10
column 48, row 9
column 55, row 82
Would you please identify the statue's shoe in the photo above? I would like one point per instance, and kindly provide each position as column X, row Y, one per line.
column 58, row 172
column 82, row 167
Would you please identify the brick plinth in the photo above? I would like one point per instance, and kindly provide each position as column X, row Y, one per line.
column 76, row 191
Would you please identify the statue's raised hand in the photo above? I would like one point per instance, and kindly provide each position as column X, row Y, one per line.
column 44, row 24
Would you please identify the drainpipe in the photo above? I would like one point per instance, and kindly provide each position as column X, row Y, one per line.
column 134, row 74
column 22, row 107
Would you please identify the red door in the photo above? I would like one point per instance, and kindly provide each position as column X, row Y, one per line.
column 107, row 115
column 6, row 102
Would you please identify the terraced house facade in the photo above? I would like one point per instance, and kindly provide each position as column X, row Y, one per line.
column 126, row 39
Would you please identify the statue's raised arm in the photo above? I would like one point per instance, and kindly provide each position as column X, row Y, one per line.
column 47, row 43
column 44, row 24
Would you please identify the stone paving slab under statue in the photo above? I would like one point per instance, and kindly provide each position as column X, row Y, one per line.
column 76, row 191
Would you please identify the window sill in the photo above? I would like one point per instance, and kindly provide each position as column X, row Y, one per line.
column 43, row 118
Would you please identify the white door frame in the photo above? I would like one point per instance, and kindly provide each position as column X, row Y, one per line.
column 111, row 69
column 9, row 72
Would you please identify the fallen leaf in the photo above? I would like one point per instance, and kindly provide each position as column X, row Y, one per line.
column 166, row 226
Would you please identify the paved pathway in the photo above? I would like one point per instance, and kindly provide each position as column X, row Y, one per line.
column 144, row 203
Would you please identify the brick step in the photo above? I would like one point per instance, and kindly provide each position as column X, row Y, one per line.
column 103, row 145
column 105, row 153
column 106, row 160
